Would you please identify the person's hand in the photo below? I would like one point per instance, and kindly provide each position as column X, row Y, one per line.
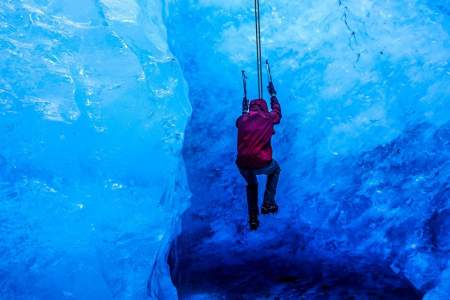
column 271, row 89
column 245, row 105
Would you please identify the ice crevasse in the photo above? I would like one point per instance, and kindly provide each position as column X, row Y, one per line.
column 100, row 150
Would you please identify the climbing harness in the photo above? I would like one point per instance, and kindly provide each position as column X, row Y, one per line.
column 258, row 49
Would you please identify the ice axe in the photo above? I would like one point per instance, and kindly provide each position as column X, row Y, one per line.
column 270, row 87
column 245, row 99
column 269, row 74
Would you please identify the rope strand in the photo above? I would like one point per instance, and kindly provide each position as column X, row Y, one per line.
column 258, row 49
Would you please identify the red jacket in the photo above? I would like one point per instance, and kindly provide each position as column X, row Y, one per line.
column 255, row 130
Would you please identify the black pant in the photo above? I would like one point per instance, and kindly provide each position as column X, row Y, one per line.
column 273, row 173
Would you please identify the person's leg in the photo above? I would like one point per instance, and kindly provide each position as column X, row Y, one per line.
column 252, row 197
column 249, row 176
column 252, row 202
column 273, row 174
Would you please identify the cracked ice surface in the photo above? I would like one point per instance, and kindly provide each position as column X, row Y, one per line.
column 363, row 147
column 92, row 114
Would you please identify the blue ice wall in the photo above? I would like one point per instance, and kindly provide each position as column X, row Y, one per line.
column 363, row 147
column 93, row 107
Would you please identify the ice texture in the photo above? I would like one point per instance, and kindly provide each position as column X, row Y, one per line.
column 93, row 107
column 94, row 104
column 364, row 148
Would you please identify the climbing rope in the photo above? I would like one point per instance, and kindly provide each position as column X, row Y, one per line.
column 258, row 60
column 258, row 49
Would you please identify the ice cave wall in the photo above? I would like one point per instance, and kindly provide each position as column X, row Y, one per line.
column 364, row 143
column 93, row 107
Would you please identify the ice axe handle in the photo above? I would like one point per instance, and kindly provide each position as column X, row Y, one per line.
column 244, row 81
column 245, row 99
column 269, row 74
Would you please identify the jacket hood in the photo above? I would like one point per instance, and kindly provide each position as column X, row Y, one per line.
column 259, row 105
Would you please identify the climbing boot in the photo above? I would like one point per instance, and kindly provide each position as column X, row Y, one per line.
column 269, row 209
column 253, row 222
column 252, row 202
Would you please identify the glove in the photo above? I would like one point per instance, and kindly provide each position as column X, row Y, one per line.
column 271, row 89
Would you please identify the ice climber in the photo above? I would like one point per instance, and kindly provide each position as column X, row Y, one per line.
column 255, row 130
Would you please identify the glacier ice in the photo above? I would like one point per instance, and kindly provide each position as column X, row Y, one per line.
column 93, row 108
column 98, row 160
column 363, row 146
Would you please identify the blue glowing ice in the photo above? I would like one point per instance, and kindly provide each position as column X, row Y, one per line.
column 93, row 108
column 363, row 146
column 95, row 148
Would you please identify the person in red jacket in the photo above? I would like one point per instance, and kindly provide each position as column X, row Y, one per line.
column 255, row 130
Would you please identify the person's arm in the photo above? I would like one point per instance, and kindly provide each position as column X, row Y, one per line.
column 244, row 110
column 276, row 110
column 274, row 104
